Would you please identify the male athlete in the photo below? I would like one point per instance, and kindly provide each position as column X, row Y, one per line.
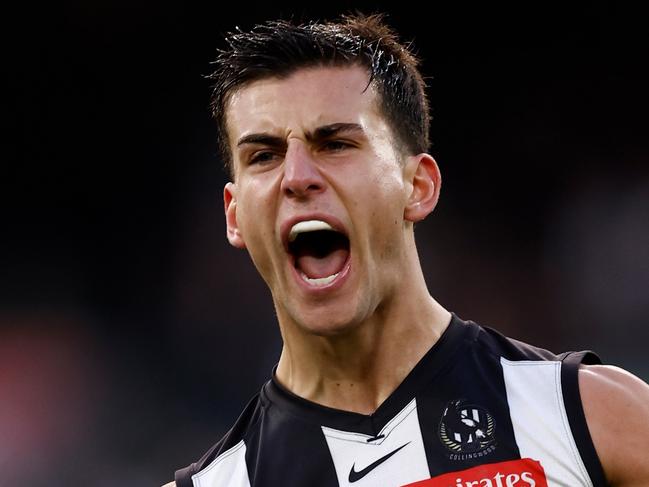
column 324, row 127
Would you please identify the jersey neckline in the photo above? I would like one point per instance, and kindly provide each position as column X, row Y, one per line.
column 436, row 359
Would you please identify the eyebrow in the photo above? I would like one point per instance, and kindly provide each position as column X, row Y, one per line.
column 334, row 129
column 319, row 133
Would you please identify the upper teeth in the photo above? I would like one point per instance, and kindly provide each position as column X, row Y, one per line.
column 307, row 226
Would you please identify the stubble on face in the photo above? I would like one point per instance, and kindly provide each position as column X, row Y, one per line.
column 361, row 186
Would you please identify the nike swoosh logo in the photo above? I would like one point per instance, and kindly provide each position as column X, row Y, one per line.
column 355, row 476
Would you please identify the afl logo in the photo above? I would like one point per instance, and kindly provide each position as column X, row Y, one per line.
column 467, row 430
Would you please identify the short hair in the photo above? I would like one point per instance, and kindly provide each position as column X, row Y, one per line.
column 276, row 49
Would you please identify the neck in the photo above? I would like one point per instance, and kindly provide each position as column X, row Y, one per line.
column 357, row 370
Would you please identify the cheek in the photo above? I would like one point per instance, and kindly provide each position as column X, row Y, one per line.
column 380, row 225
column 386, row 181
column 256, row 220
column 254, row 228
column 258, row 244
column 386, row 215
column 387, row 199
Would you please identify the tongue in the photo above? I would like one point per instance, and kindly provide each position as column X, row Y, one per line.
column 316, row 267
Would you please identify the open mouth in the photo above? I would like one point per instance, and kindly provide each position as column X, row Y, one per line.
column 319, row 251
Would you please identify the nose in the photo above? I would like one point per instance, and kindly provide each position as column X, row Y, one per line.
column 301, row 175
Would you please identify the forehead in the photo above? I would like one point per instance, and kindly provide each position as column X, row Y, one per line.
column 306, row 99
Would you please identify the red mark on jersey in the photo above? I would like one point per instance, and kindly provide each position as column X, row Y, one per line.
column 515, row 473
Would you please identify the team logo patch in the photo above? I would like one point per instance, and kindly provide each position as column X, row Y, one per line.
column 520, row 473
column 467, row 431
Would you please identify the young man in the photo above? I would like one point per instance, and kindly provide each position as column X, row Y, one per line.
column 324, row 127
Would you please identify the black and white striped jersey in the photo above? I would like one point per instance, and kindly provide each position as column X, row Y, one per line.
column 478, row 410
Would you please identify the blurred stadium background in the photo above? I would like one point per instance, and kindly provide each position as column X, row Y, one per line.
column 131, row 335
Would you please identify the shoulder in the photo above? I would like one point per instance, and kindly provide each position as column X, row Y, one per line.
column 616, row 405
column 499, row 345
column 246, row 425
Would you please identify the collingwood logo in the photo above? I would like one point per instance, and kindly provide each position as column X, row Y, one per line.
column 467, row 430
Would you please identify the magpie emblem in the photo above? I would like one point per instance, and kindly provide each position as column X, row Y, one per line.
column 467, row 429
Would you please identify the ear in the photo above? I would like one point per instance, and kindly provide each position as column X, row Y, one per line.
column 230, row 205
column 423, row 173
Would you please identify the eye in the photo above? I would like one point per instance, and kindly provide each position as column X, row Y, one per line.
column 262, row 157
column 336, row 145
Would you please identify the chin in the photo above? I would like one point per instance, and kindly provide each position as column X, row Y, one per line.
column 327, row 330
column 326, row 322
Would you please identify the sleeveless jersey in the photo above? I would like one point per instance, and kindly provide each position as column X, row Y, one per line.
column 478, row 410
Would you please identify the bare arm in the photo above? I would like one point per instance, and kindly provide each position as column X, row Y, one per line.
column 170, row 484
column 616, row 405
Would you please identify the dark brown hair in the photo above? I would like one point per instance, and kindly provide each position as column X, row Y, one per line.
column 279, row 48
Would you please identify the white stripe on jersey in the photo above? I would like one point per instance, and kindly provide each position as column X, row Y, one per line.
column 227, row 470
column 540, row 423
column 352, row 450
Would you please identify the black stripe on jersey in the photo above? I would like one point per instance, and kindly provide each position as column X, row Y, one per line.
column 290, row 438
column 575, row 411
column 247, row 420
column 183, row 476
column 467, row 376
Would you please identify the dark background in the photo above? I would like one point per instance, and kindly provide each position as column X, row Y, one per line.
column 131, row 335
